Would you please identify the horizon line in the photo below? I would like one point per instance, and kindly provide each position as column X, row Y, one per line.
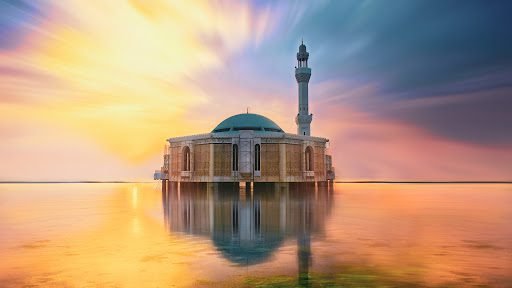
column 425, row 182
column 336, row 181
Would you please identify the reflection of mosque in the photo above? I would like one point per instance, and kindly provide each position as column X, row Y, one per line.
column 248, row 226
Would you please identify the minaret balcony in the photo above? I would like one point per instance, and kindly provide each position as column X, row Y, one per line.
column 303, row 74
column 300, row 70
column 303, row 119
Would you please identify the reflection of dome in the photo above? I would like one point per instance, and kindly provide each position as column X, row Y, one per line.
column 246, row 252
column 248, row 121
column 248, row 230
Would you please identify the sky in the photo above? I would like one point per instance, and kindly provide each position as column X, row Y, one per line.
column 404, row 90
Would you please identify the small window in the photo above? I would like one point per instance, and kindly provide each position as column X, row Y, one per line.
column 257, row 157
column 221, row 130
column 235, row 158
column 247, row 128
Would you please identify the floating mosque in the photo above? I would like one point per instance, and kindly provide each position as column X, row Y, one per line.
column 250, row 148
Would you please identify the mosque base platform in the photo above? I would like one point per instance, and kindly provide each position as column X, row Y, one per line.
column 247, row 186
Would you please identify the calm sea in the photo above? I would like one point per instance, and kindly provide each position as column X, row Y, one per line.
column 348, row 235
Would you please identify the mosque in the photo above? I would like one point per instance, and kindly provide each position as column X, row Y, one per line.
column 251, row 148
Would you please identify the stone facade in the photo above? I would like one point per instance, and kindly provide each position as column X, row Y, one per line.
column 247, row 156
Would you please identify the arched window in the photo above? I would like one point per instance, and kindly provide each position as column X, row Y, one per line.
column 186, row 159
column 309, row 159
column 234, row 157
column 257, row 157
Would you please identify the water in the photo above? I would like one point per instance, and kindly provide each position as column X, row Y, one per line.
column 350, row 235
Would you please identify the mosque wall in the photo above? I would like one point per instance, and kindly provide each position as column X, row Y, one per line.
column 270, row 161
column 319, row 162
column 222, row 159
column 174, row 164
column 282, row 160
column 294, row 160
column 201, row 159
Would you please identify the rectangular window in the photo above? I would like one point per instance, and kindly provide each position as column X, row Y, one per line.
column 257, row 157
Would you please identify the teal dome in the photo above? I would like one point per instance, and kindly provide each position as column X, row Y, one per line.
column 247, row 121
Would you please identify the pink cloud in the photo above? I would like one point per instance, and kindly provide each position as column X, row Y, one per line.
column 365, row 147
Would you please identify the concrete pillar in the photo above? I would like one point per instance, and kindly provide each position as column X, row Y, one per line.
column 164, row 186
column 212, row 187
column 248, row 186
column 282, row 186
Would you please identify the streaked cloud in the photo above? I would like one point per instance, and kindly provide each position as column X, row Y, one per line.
column 121, row 71
column 123, row 76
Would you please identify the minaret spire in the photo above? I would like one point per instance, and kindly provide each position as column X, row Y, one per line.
column 302, row 75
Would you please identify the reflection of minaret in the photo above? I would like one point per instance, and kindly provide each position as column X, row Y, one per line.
column 304, row 243
column 302, row 75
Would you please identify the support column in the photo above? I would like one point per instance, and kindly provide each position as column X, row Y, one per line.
column 248, row 186
column 212, row 187
column 282, row 186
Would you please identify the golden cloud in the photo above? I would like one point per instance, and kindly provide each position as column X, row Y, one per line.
column 122, row 71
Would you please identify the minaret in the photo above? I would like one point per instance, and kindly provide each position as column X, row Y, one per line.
column 302, row 74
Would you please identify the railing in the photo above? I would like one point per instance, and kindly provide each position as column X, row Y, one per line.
column 186, row 174
column 309, row 173
column 161, row 174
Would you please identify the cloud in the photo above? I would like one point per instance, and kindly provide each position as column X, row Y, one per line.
column 366, row 147
column 474, row 117
column 390, row 79
column 121, row 72
column 18, row 18
column 417, row 50
column 41, row 152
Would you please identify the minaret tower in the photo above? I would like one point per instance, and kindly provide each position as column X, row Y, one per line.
column 302, row 74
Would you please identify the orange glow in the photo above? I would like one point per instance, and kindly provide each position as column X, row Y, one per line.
column 120, row 234
column 120, row 72
column 129, row 249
